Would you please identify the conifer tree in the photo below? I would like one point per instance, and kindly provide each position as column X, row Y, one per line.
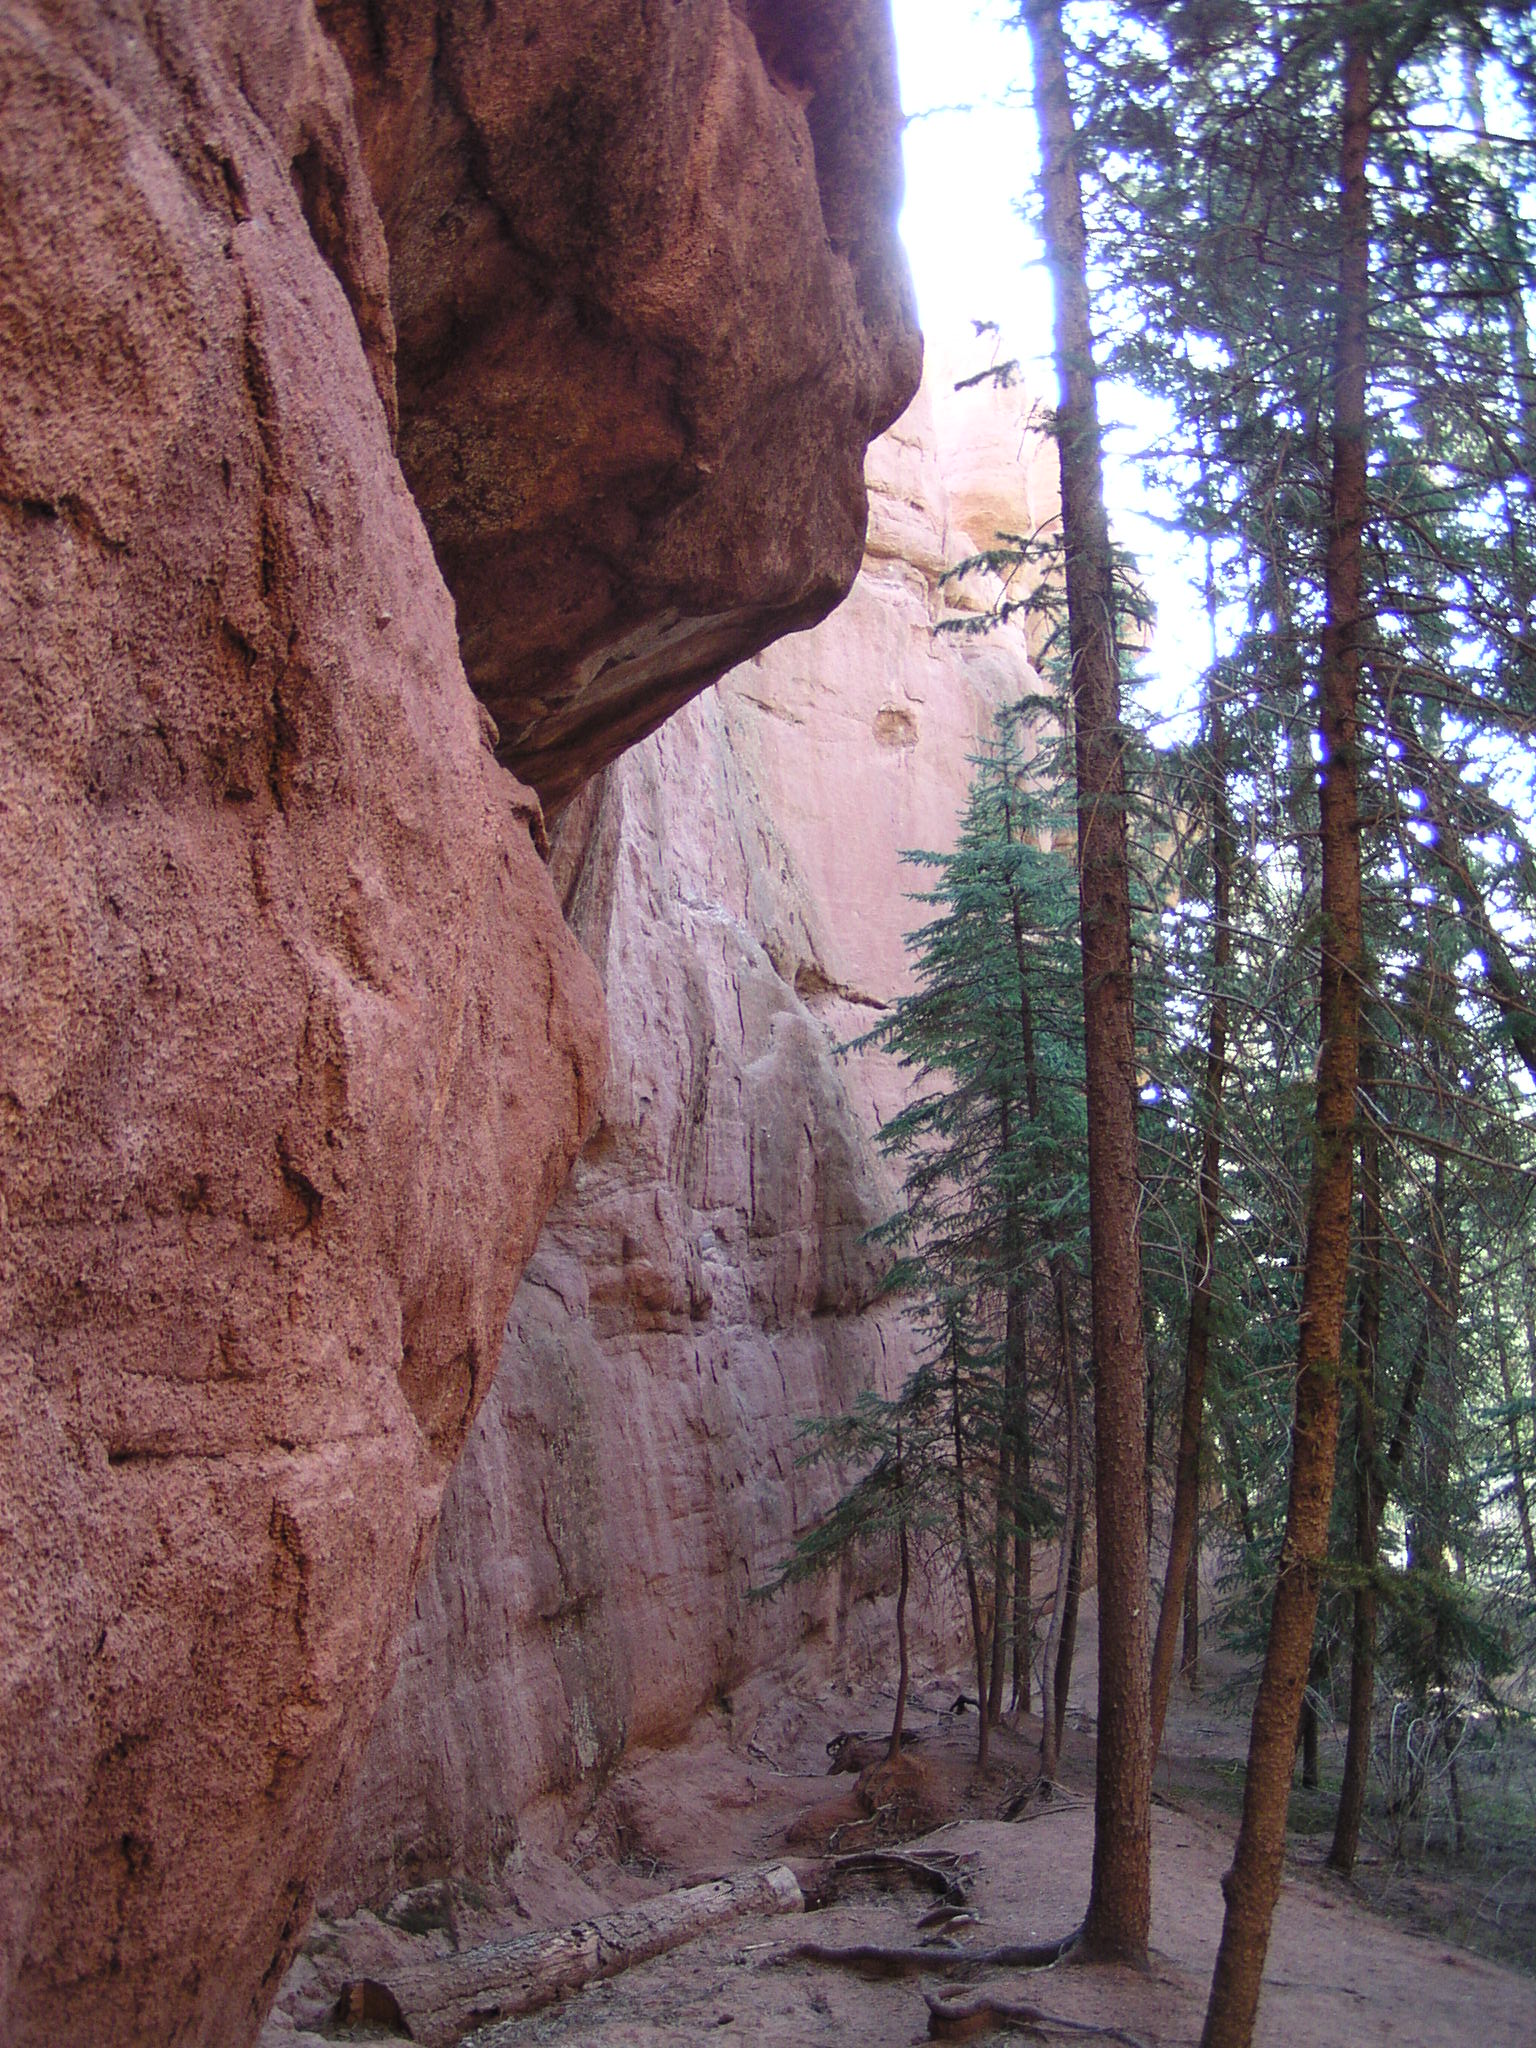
column 1120, row 1894
column 989, row 1147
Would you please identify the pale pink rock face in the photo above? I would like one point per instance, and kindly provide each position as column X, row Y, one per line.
column 702, row 1282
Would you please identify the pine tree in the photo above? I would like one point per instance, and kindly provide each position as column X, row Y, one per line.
column 1120, row 1895
column 991, row 1225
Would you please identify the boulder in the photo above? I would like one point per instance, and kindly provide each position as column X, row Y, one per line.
column 651, row 306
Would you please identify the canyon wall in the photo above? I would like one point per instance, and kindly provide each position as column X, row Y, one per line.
column 650, row 307
column 703, row 1281
column 295, row 1047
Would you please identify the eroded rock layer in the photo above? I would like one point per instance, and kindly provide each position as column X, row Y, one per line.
column 703, row 1282
column 651, row 307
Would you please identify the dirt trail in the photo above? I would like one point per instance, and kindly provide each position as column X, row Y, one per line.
column 752, row 1785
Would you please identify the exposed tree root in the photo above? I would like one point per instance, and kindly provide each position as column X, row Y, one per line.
column 959, row 2019
column 935, row 1871
column 1044, row 1796
column 876, row 1959
column 854, row 1751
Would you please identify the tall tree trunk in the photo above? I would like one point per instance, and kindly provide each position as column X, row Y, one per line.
column 1061, row 1677
column 1050, row 1732
column 1023, row 1573
column 1427, row 1525
column 1017, row 1408
column 1002, row 1558
column 1237, row 1480
column 1516, row 1449
column 903, row 1585
column 1253, row 1883
column 1362, row 1656
column 1006, row 1516
column 1309, row 1771
column 968, row 1565
column 1197, row 1349
column 903, row 1651
column 1120, row 1895
column 1189, row 1661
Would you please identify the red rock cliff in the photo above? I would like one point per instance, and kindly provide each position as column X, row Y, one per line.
column 295, row 1048
column 702, row 1283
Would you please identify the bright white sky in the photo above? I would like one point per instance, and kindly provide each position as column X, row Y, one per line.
column 973, row 258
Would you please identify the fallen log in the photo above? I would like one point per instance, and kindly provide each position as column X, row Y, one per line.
column 961, row 2019
column 442, row 2001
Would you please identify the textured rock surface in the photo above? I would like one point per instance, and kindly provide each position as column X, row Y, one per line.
column 651, row 306
column 701, row 1283
column 294, row 1047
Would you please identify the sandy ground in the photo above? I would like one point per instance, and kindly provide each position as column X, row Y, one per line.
column 752, row 1786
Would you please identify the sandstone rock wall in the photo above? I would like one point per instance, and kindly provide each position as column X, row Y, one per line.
column 295, row 1048
column 651, row 306
column 702, row 1283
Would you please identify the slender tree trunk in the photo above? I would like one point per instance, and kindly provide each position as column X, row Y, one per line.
column 1189, row 1662
column 1516, row 1449
column 1050, row 1732
column 1237, row 1480
column 1061, row 1677
column 1197, row 1349
column 1427, row 1527
column 1018, row 1405
column 972, row 1588
column 1023, row 1574
column 1149, row 1460
column 1309, row 1771
column 1120, row 1896
column 1362, row 1656
column 1253, row 1883
column 1002, row 1548
column 903, row 1652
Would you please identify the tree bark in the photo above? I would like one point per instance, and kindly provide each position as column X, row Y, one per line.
column 903, row 1649
column 1237, row 1479
column 1197, row 1349
column 1018, row 1412
column 1120, row 1895
column 1189, row 1661
column 1310, row 1778
column 1516, row 1449
column 1368, row 1490
column 1253, row 1883
column 1061, row 1677
column 441, row 2000
column 1050, row 1731
column 968, row 1564
column 1023, row 1576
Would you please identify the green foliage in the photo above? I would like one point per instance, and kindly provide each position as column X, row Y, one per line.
column 990, row 1147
